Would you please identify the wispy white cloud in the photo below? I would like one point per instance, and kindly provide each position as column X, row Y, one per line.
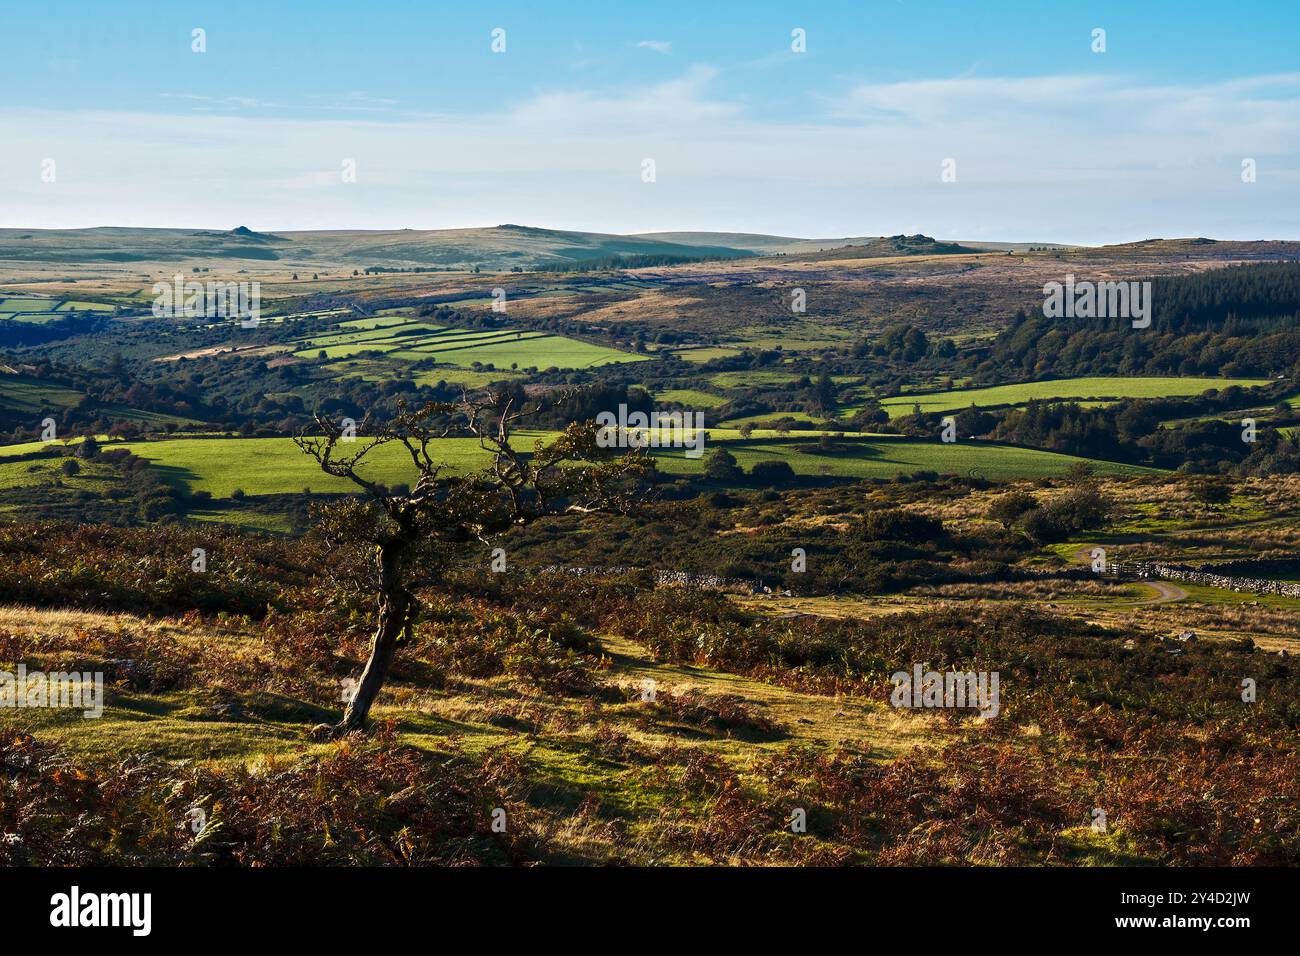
column 658, row 46
column 225, row 102
column 1065, row 157
column 1114, row 102
column 357, row 100
column 660, row 109
column 354, row 101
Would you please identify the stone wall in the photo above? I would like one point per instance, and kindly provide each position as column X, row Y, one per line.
column 1177, row 572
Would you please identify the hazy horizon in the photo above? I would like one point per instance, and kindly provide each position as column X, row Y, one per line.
column 271, row 230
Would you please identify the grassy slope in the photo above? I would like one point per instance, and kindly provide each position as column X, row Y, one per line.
column 27, row 395
column 887, row 457
column 167, row 723
column 260, row 466
column 498, row 247
column 568, row 757
column 541, row 351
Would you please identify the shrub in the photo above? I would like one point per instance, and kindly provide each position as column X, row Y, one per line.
column 770, row 473
column 897, row 524
column 721, row 466
column 1009, row 508
column 1044, row 526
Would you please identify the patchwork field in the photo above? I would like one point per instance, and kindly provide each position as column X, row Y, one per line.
column 385, row 369
column 28, row 308
column 414, row 341
column 1087, row 391
column 1095, row 389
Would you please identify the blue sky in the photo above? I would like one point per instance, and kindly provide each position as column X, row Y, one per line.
column 1050, row 140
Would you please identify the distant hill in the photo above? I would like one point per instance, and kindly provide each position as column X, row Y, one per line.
column 243, row 234
column 756, row 242
column 495, row 248
column 511, row 246
column 492, row 248
column 1202, row 248
column 888, row 246
column 982, row 246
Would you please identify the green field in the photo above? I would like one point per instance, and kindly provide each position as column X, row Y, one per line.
column 758, row 378
column 77, row 306
column 264, row 466
column 30, row 395
column 275, row 466
column 407, row 340
column 381, row 321
column 379, row 370
column 887, row 457
column 30, row 308
column 29, row 304
column 777, row 416
column 1097, row 389
column 706, row 354
column 546, row 351
column 378, row 334
column 92, row 478
column 690, row 397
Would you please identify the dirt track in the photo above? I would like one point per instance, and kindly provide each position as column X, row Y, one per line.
column 1165, row 593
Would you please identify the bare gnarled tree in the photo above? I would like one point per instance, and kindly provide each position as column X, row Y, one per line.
column 413, row 534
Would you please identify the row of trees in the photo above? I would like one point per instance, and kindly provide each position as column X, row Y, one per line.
column 1242, row 320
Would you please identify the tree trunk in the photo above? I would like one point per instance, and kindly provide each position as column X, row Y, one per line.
column 395, row 607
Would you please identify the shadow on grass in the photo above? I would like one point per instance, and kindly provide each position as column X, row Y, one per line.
column 175, row 476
